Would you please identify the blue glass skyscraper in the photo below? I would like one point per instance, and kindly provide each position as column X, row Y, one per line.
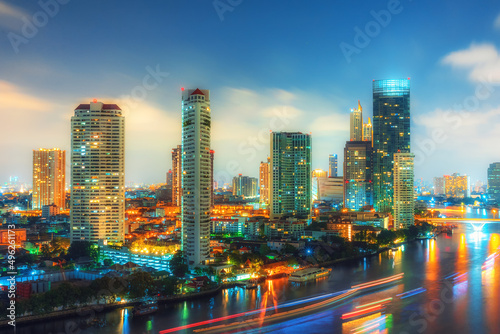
column 391, row 134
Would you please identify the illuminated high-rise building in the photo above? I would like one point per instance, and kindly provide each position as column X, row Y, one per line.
column 368, row 131
column 333, row 162
column 177, row 175
column 391, row 134
column 317, row 175
column 356, row 122
column 358, row 178
column 264, row 182
column 97, row 173
column 212, row 185
column 494, row 181
column 245, row 186
column 404, row 202
column 49, row 178
column 456, row 185
column 170, row 175
column 196, row 175
column 290, row 175
column 438, row 186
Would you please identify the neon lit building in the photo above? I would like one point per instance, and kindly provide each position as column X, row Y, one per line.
column 290, row 175
column 177, row 175
column 264, row 182
column 358, row 178
column 196, row 175
column 391, row 134
column 333, row 165
column 97, row 173
column 456, row 185
column 49, row 178
column 356, row 121
column 404, row 201
column 494, row 181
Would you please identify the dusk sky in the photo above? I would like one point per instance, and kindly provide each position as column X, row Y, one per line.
column 269, row 65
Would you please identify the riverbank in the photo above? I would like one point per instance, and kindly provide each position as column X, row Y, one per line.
column 97, row 308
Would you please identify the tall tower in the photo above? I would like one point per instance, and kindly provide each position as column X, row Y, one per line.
column 177, row 175
column 264, row 182
column 404, row 203
column 358, row 179
column 368, row 131
column 49, row 178
column 357, row 123
column 290, row 175
column 196, row 175
column 212, row 153
column 97, row 173
column 333, row 165
column 391, row 134
column 494, row 181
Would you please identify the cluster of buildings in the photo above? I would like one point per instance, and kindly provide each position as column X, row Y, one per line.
column 378, row 176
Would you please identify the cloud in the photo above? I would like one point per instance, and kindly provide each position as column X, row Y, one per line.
column 496, row 24
column 10, row 16
column 481, row 60
column 13, row 99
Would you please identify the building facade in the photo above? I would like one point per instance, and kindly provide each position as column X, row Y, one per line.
column 333, row 162
column 245, row 186
column 196, row 175
column 317, row 174
column 264, row 182
column 177, row 175
column 290, row 175
column 438, row 183
column 368, row 131
column 494, row 181
column 358, row 178
column 97, row 173
column 331, row 189
column 456, row 185
column 404, row 202
column 49, row 178
column 356, row 121
column 391, row 134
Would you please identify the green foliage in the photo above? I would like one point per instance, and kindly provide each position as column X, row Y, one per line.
column 386, row 237
column 264, row 250
column 167, row 286
column 83, row 248
column 178, row 264
column 108, row 262
column 289, row 249
column 141, row 284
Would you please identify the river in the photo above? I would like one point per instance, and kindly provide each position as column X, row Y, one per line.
column 468, row 302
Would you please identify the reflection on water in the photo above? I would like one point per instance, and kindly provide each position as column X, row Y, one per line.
column 467, row 301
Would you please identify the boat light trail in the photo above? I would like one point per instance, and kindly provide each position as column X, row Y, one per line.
column 387, row 300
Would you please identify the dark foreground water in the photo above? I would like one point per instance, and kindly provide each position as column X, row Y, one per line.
column 468, row 304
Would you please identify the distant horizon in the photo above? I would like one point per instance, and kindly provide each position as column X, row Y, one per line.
column 282, row 77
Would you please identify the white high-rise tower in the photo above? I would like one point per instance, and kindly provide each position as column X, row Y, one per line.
column 404, row 203
column 97, row 173
column 356, row 121
column 196, row 175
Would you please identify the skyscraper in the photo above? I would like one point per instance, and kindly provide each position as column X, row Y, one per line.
column 97, row 173
column 494, row 181
column 177, row 175
column 196, row 179
column 438, row 186
column 212, row 185
column 49, row 178
column 368, row 131
column 456, row 185
column 333, row 165
column 404, row 203
column 290, row 175
column 245, row 186
column 264, row 182
column 356, row 122
column 391, row 134
column 317, row 175
column 358, row 178
column 169, row 177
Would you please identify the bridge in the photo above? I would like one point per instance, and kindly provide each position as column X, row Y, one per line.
column 477, row 223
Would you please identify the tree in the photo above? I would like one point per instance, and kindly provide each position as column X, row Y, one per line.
column 386, row 237
column 288, row 249
column 107, row 262
column 45, row 250
column 264, row 250
column 168, row 286
column 178, row 264
column 141, row 284
column 83, row 248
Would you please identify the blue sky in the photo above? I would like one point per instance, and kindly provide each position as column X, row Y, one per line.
column 269, row 65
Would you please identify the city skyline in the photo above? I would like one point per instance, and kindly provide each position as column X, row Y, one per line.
column 452, row 78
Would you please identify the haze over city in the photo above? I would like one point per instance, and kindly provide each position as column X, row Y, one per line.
column 261, row 61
